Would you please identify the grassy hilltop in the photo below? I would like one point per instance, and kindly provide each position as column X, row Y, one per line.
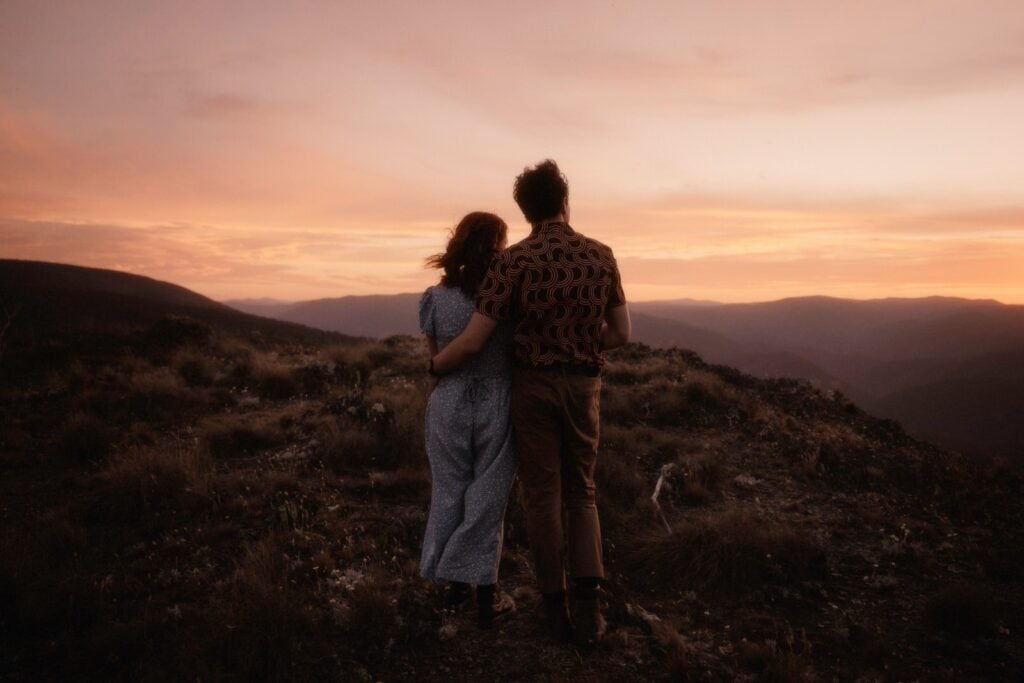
column 202, row 495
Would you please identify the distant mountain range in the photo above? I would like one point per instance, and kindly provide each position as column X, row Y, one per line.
column 361, row 316
column 950, row 369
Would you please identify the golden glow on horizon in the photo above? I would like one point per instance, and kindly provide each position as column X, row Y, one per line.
column 732, row 151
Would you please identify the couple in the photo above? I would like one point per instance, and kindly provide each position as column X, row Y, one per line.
column 516, row 338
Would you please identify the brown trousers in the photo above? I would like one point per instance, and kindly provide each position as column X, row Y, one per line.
column 556, row 416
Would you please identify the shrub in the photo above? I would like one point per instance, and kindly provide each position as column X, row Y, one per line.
column 196, row 369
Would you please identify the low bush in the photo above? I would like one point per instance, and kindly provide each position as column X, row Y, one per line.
column 197, row 370
column 158, row 394
column 275, row 383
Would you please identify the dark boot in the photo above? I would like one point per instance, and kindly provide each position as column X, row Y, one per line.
column 556, row 614
column 487, row 606
column 588, row 623
column 456, row 595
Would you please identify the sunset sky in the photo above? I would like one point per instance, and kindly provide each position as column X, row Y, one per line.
column 736, row 151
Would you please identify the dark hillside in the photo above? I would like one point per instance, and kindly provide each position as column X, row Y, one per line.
column 230, row 506
column 54, row 309
column 976, row 406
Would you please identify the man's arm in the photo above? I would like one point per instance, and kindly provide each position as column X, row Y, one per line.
column 469, row 342
column 617, row 328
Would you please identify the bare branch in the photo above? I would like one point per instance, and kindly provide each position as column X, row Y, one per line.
column 666, row 470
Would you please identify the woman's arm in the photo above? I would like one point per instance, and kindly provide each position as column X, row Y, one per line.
column 469, row 342
column 431, row 352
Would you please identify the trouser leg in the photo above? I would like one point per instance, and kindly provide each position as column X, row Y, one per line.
column 581, row 431
column 473, row 552
column 451, row 469
column 537, row 421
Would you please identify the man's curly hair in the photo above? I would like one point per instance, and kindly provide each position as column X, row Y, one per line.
column 541, row 191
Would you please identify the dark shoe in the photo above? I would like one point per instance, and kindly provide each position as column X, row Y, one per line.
column 588, row 623
column 556, row 614
column 488, row 606
column 457, row 595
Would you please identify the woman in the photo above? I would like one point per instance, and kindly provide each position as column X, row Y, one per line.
column 468, row 433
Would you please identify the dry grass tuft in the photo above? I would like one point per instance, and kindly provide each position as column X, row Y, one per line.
column 275, row 382
column 149, row 488
column 346, row 446
column 158, row 394
column 233, row 436
column 372, row 620
column 639, row 371
column 731, row 552
column 265, row 624
column 84, row 439
column 702, row 478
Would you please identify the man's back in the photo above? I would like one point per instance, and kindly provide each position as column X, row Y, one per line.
column 556, row 285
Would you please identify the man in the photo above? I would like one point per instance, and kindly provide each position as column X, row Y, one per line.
column 563, row 293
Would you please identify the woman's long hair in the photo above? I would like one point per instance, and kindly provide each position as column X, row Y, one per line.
column 473, row 244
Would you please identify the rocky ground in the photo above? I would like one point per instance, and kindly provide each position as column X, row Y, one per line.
column 196, row 504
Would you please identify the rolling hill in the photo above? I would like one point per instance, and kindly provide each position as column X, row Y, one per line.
column 51, row 301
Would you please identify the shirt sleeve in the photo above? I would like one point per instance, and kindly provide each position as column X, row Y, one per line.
column 498, row 289
column 616, row 295
column 427, row 313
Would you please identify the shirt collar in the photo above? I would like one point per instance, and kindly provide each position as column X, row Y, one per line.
column 552, row 226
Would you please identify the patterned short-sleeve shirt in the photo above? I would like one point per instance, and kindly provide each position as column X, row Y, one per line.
column 556, row 286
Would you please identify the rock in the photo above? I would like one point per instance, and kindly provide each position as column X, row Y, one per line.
column 746, row 481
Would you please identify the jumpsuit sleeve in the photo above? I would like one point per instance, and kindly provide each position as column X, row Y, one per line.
column 427, row 313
